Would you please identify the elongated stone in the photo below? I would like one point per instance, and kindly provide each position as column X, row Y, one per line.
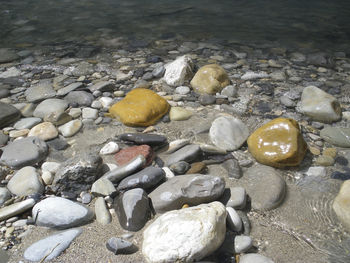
column 188, row 153
column 337, row 136
column 143, row 138
column 16, row 208
column 102, row 214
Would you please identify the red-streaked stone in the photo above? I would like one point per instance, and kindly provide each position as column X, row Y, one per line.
column 124, row 156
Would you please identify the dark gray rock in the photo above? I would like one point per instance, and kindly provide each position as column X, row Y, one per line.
column 120, row 246
column 58, row 144
column 78, row 173
column 233, row 169
column 14, row 156
column 81, row 98
column 4, row 92
column 61, row 213
column 207, row 99
column 187, row 153
column 133, row 209
column 145, row 179
column 180, row 167
column 144, row 138
column 7, row 55
column 8, row 114
column 320, row 59
column 51, row 246
column 191, row 189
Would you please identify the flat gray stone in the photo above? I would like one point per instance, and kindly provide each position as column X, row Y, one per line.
column 51, row 246
column 337, row 136
column 49, row 107
column 120, row 246
column 102, row 86
column 187, row 153
column 191, row 189
column 36, row 150
column 16, row 208
column 233, row 169
column 58, row 212
column 228, row 133
column 27, row 123
column 26, row 181
column 82, row 98
column 254, row 258
column 8, row 114
column 260, row 178
column 64, row 91
column 4, row 195
column 40, row 92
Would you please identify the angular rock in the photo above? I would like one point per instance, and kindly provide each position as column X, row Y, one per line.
column 36, row 150
column 26, row 123
column 125, row 155
column 178, row 71
column 133, row 209
column 254, row 258
column 336, row 136
column 341, row 204
column 260, row 178
column 319, row 105
column 45, row 131
column 140, row 107
column 16, row 208
column 144, row 138
column 51, row 246
column 82, row 98
column 102, row 86
column 103, row 187
column 191, row 189
column 40, row 92
column 185, row 235
column 78, row 173
column 145, row 179
column 228, row 133
column 70, row 128
column 278, row 143
column 4, row 195
column 50, row 106
column 102, row 214
column 179, row 114
column 26, row 181
column 120, row 246
column 64, row 91
column 210, row 79
column 233, row 169
column 61, row 213
column 187, row 153
column 89, row 113
column 8, row 114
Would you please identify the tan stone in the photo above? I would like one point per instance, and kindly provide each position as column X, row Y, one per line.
column 341, row 204
column 332, row 152
column 210, row 79
column 45, row 131
column 314, row 150
column 140, row 107
column 278, row 143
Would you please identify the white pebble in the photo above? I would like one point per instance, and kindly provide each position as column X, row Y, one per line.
column 109, row 148
column 47, row 177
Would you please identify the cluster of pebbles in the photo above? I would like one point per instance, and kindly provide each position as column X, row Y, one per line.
column 151, row 144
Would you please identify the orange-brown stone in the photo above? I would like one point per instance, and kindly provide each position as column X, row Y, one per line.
column 278, row 143
column 140, row 107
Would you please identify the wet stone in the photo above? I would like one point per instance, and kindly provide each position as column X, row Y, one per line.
column 120, row 246
column 8, row 114
column 341, row 176
column 14, row 156
column 233, row 220
column 58, row 144
column 191, row 189
column 145, row 179
column 7, row 55
column 142, row 138
column 180, row 167
column 133, row 209
column 187, row 153
column 341, row 204
column 125, row 155
column 233, row 168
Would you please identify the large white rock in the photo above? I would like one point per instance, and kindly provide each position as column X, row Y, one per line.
column 185, row 235
column 178, row 71
column 228, row 133
column 319, row 105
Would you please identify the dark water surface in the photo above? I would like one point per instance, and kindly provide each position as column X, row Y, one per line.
column 314, row 23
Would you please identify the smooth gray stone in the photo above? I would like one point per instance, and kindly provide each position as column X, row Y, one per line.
column 180, row 167
column 260, row 178
column 245, row 221
column 82, row 98
column 4, row 92
column 3, row 138
column 233, row 220
column 64, row 91
column 27, row 123
column 102, row 86
column 50, row 107
column 243, row 243
column 26, row 181
column 61, row 213
column 78, row 173
column 144, row 138
column 133, row 209
column 191, row 189
column 36, row 150
column 102, row 214
column 40, row 92
column 7, row 55
column 16, row 208
column 337, row 136
column 86, row 198
column 103, row 187
column 254, row 258
column 51, row 246
column 145, row 179
column 187, row 153
column 235, row 197
column 320, row 59
column 8, row 114
column 233, row 169
column 120, row 246
column 4, row 195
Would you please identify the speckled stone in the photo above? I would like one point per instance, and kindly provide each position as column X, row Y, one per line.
column 278, row 143
column 45, row 131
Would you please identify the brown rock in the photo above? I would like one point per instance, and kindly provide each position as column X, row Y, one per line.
column 124, row 156
column 210, row 79
column 197, row 167
column 140, row 107
column 278, row 143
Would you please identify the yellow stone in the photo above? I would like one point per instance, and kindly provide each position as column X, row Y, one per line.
column 332, row 152
column 278, row 143
column 210, row 79
column 140, row 107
